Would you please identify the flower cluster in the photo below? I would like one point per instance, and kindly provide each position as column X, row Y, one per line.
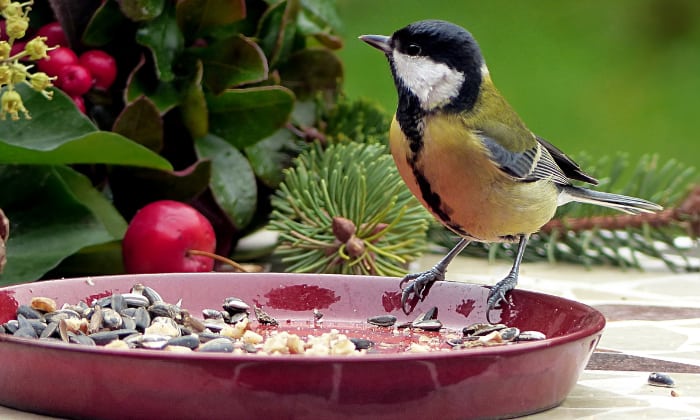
column 12, row 67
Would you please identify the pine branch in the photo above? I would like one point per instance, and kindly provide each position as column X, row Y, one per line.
column 345, row 209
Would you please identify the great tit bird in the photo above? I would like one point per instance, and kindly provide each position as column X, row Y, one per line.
column 468, row 157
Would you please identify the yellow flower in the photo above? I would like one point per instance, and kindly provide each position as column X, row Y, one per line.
column 11, row 103
column 19, row 72
column 5, row 74
column 16, row 27
column 12, row 9
column 41, row 81
column 5, row 49
column 36, row 48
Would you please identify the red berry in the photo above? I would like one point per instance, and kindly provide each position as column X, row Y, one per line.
column 160, row 236
column 3, row 34
column 79, row 103
column 74, row 79
column 101, row 65
column 54, row 34
column 18, row 47
column 56, row 60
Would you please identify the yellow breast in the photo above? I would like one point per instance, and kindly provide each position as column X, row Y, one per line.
column 454, row 178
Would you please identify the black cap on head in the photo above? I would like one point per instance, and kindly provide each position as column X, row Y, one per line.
column 442, row 41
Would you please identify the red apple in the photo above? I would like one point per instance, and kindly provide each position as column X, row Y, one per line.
column 162, row 234
column 74, row 79
column 54, row 34
column 101, row 65
column 56, row 60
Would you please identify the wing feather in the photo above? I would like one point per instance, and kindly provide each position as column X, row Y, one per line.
column 570, row 168
column 532, row 164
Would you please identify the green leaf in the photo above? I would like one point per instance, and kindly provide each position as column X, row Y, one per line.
column 140, row 83
column 88, row 196
column 243, row 117
column 305, row 112
column 96, row 260
column 141, row 122
column 59, row 133
column 277, row 30
column 165, row 41
column 232, row 180
column 97, row 147
column 231, row 62
column 331, row 41
column 195, row 16
column 103, row 25
column 133, row 188
column 319, row 18
column 270, row 156
column 312, row 70
column 141, row 10
column 49, row 218
column 193, row 105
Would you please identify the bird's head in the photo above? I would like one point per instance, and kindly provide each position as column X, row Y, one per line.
column 437, row 62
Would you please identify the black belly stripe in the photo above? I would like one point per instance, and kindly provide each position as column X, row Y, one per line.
column 431, row 198
column 434, row 203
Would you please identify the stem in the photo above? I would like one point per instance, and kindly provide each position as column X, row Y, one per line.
column 613, row 222
column 217, row 257
column 306, row 133
column 687, row 212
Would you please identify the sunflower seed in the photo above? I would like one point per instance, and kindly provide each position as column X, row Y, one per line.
column 660, row 379
column 217, row 345
column 382, row 320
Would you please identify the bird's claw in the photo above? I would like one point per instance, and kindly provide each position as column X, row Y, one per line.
column 498, row 292
column 418, row 285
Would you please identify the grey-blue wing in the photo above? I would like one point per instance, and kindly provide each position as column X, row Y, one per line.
column 530, row 165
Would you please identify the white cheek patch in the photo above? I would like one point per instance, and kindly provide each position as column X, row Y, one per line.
column 433, row 83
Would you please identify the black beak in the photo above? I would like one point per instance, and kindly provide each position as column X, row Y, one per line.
column 380, row 42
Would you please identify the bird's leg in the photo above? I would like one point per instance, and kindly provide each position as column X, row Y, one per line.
column 420, row 283
column 498, row 292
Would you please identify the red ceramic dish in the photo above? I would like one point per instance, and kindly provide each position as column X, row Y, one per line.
column 489, row 382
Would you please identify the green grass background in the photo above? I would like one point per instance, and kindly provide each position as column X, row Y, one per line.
column 591, row 75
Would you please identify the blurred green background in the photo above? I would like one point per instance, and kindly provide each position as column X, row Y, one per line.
column 591, row 76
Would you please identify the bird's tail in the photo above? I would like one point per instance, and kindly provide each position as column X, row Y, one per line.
column 631, row 205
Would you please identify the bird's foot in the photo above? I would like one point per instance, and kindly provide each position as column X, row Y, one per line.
column 498, row 292
column 417, row 286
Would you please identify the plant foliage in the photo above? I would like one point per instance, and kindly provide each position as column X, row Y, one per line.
column 205, row 93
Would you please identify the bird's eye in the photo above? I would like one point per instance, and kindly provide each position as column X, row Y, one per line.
column 413, row 49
